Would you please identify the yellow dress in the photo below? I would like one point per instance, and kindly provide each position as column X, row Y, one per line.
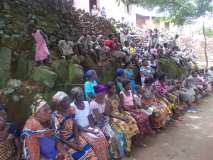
column 129, row 128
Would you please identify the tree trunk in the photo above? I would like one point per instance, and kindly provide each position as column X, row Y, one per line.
column 205, row 46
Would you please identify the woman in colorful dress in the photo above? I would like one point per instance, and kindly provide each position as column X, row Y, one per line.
column 155, row 108
column 89, row 85
column 161, row 91
column 129, row 73
column 9, row 139
column 93, row 136
column 40, row 142
column 122, row 121
column 66, row 125
column 101, row 114
column 127, row 102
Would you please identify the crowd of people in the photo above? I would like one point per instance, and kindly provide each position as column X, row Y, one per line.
column 104, row 121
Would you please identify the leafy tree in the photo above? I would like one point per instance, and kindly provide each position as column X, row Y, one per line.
column 179, row 10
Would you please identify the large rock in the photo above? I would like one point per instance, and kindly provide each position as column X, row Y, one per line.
column 45, row 76
column 76, row 73
column 170, row 68
column 61, row 68
column 106, row 73
column 23, row 68
column 89, row 62
column 5, row 65
column 18, row 103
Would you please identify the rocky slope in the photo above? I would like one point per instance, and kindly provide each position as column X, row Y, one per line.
column 21, row 78
column 17, row 50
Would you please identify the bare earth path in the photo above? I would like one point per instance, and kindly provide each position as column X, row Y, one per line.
column 191, row 139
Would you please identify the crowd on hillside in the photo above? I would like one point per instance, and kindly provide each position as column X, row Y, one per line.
column 104, row 121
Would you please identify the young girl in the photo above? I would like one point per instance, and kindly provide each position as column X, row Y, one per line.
column 129, row 73
column 127, row 102
column 42, row 51
column 90, row 84
column 101, row 113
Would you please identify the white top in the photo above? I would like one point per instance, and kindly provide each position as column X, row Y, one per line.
column 138, row 99
column 94, row 12
column 81, row 116
column 95, row 105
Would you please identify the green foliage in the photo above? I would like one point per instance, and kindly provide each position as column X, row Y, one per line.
column 208, row 32
column 5, row 62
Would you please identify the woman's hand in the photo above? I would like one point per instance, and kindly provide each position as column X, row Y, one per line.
column 125, row 119
column 93, row 132
column 78, row 146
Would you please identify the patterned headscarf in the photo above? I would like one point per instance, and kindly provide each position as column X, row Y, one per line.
column 59, row 96
column 38, row 103
column 76, row 92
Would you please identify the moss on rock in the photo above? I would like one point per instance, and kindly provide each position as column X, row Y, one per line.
column 170, row 68
column 5, row 65
column 45, row 76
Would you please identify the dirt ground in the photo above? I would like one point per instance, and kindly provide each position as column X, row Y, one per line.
column 191, row 139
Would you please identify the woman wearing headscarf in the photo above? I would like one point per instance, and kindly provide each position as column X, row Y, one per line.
column 161, row 91
column 101, row 114
column 122, row 121
column 89, row 85
column 9, row 138
column 66, row 125
column 39, row 140
column 93, row 136
column 154, row 107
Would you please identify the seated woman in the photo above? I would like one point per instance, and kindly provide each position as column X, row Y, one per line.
column 101, row 114
column 93, row 136
column 66, row 125
column 187, row 96
column 39, row 140
column 90, row 84
column 161, row 92
column 154, row 107
column 127, row 102
column 122, row 121
column 10, row 148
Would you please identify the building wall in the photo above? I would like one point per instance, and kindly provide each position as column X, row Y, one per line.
column 117, row 11
column 82, row 4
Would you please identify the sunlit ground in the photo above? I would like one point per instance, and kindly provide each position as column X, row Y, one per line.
column 191, row 139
